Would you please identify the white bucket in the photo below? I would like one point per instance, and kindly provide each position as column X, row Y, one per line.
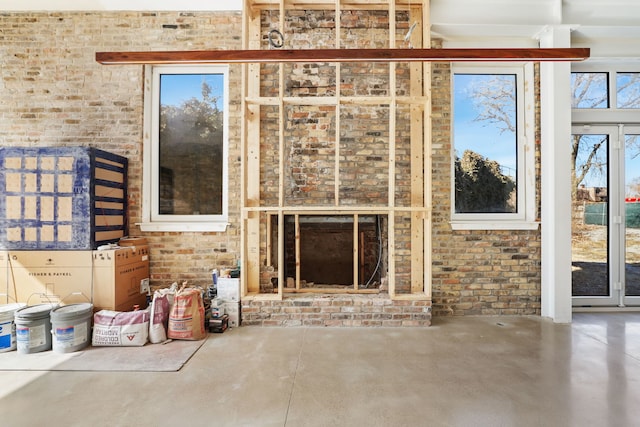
column 33, row 328
column 71, row 327
column 8, row 326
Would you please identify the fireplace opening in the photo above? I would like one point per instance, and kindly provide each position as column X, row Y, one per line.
column 331, row 253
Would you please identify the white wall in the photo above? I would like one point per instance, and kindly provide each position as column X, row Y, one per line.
column 57, row 5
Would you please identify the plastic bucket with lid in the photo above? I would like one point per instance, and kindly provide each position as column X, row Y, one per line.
column 33, row 328
column 71, row 327
column 8, row 326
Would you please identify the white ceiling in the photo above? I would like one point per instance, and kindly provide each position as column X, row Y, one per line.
column 611, row 28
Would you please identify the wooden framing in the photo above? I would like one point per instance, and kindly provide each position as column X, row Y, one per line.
column 358, row 257
column 250, row 220
column 257, row 213
column 420, row 76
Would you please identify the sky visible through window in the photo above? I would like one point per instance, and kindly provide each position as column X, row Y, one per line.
column 177, row 88
column 591, row 91
column 486, row 138
column 480, row 136
column 470, row 134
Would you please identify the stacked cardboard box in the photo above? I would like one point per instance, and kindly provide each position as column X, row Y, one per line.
column 113, row 279
column 228, row 289
column 229, row 294
column 121, row 278
column 49, row 277
column 4, row 275
column 57, row 205
column 232, row 309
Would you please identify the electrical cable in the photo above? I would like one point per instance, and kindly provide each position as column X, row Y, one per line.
column 407, row 37
column 375, row 270
column 276, row 39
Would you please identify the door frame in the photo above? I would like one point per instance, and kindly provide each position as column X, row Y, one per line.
column 616, row 236
column 626, row 300
column 613, row 222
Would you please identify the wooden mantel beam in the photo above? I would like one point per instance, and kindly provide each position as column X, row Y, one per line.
column 343, row 55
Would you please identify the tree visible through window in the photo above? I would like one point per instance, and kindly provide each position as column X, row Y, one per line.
column 186, row 148
column 486, row 146
column 594, row 90
column 191, row 145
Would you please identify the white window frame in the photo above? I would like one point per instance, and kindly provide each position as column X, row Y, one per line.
column 611, row 114
column 525, row 217
column 152, row 220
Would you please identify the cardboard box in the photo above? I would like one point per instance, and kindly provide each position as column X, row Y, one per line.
column 4, row 275
column 71, row 198
column 41, row 277
column 121, row 278
column 232, row 309
column 228, row 289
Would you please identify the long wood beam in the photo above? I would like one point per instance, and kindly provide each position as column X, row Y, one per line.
column 342, row 55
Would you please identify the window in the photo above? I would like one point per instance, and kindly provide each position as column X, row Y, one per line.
column 628, row 90
column 185, row 148
column 493, row 156
column 601, row 93
column 590, row 90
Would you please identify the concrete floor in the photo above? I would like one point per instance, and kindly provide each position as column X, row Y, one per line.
column 473, row 371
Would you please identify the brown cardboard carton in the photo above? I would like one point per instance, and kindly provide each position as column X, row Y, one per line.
column 120, row 278
column 41, row 277
column 4, row 286
column 132, row 241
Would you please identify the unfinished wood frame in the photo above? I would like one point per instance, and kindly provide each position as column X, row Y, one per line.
column 256, row 225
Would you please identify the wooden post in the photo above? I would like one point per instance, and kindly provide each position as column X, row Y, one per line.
column 427, row 156
column 356, row 251
column 250, row 159
column 297, row 240
column 418, row 171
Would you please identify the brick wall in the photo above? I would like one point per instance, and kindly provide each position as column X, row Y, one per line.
column 476, row 272
column 337, row 310
column 55, row 94
column 310, row 130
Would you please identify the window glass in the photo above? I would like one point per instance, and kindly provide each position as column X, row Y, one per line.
column 628, row 87
column 190, row 142
column 632, row 171
column 632, row 215
column 186, row 148
column 486, row 146
column 590, row 164
column 589, row 90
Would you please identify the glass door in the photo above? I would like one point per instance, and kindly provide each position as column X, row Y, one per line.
column 593, row 219
column 605, row 244
column 631, row 135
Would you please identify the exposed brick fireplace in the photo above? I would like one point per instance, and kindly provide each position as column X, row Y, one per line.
column 327, row 251
column 373, row 310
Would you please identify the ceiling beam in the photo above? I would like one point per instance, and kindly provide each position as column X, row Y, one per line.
column 342, row 55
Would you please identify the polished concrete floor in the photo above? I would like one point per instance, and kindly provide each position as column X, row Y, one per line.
column 473, row 371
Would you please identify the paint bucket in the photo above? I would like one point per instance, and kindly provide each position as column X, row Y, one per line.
column 8, row 326
column 33, row 328
column 71, row 327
